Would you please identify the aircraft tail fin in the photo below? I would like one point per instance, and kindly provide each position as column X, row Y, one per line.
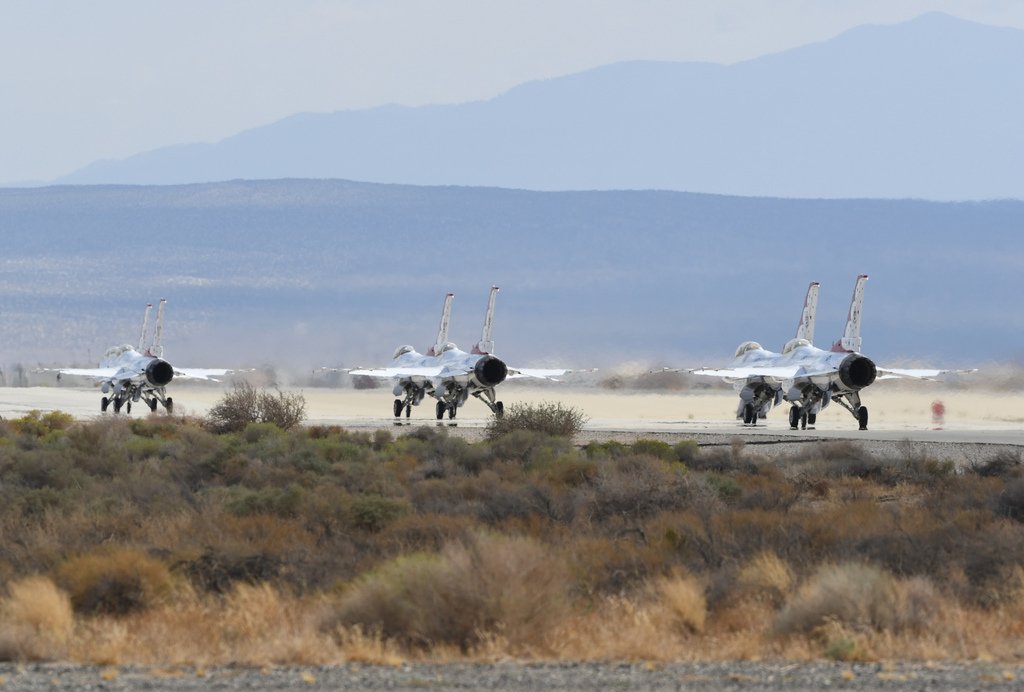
column 145, row 327
column 157, row 349
column 805, row 330
column 442, row 330
column 850, row 341
column 486, row 343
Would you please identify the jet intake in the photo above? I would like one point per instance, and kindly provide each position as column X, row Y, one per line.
column 159, row 373
column 857, row 372
column 489, row 371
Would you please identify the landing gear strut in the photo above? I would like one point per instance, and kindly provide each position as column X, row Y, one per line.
column 859, row 412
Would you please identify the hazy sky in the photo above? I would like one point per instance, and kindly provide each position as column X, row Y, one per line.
column 81, row 81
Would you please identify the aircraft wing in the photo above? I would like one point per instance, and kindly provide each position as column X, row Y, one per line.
column 410, row 371
column 535, row 372
column 781, row 372
column 86, row 372
column 202, row 373
column 916, row 373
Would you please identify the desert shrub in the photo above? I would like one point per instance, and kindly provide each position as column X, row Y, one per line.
column 530, row 448
column 220, row 571
column 859, row 596
column 115, row 581
column 631, row 487
column 726, row 487
column 374, row 512
column 654, row 448
column 246, row 404
column 283, row 502
column 550, row 418
column 484, row 586
column 1011, row 500
column 764, row 577
column 686, row 451
column 39, row 424
column 1002, row 464
column 609, row 448
column 610, row 566
column 422, row 532
column 35, row 621
column 680, row 598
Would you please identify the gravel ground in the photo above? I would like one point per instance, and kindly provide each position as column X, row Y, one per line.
column 527, row 676
column 773, row 446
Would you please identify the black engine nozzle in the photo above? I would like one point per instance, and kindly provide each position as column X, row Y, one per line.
column 857, row 372
column 490, row 371
column 159, row 373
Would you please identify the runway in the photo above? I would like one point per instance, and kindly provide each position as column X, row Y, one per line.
column 897, row 414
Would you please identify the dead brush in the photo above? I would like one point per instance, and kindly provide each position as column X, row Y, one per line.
column 115, row 581
column 858, row 596
column 488, row 584
column 36, row 621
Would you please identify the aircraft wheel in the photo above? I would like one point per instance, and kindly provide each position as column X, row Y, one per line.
column 439, row 410
column 104, row 403
column 128, row 407
column 398, row 407
column 812, row 418
column 749, row 415
column 117, row 405
column 499, row 409
column 408, row 410
column 169, row 405
column 862, row 417
column 152, row 405
column 794, row 417
column 452, row 408
column 803, row 419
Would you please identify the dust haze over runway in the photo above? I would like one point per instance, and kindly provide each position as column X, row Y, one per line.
column 973, row 416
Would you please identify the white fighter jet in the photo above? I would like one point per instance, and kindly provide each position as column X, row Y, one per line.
column 810, row 378
column 128, row 374
column 758, row 393
column 449, row 374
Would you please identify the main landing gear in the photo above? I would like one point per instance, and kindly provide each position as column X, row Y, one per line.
column 411, row 395
column 443, row 406
column 123, row 396
column 800, row 418
column 859, row 412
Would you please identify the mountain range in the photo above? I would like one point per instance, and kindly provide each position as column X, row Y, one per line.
column 930, row 108
column 306, row 273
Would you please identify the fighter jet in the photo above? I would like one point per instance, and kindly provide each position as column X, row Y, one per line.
column 449, row 374
column 128, row 374
column 810, row 378
column 758, row 393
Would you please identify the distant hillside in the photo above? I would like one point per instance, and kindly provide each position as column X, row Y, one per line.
column 324, row 272
column 929, row 109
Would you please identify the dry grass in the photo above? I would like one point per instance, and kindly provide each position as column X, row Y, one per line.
column 260, row 625
column 485, row 585
column 860, row 597
column 36, row 621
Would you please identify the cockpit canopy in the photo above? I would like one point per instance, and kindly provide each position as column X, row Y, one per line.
column 115, row 351
column 402, row 350
column 795, row 343
column 449, row 346
column 747, row 346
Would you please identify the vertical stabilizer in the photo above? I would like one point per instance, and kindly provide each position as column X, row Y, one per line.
column 486, row 343
column 157, row 349
column 145, row 327
column 805, row 330
column 850, row 342
column 442, row 330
